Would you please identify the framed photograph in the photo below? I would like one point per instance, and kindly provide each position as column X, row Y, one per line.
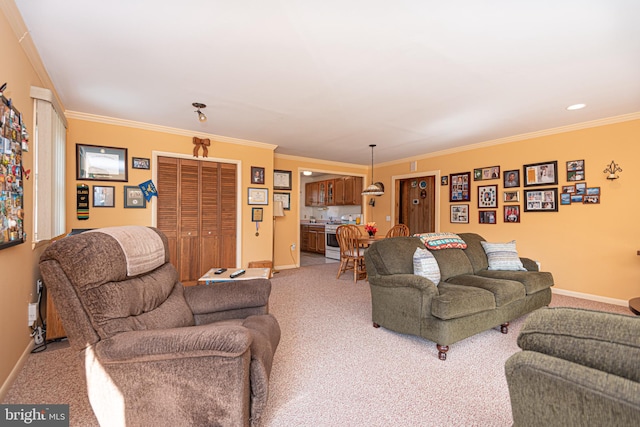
column 575, row 170
column 444, row 180
column 581, row 188
column 258, row 196
column 488, row 196
column 460, row 214
column 281, row 180
column 512, row 213
column 576, row 198
column 491, row 172
column 544, row 173
column 542, row 200
column 257, row 175
column 568, row 189
column 487, row 217
column 592, row 195
column 285, row 198
column 133, row 197
column 139, row 163
column 511, row 178
column 459, row 187
column 511, row 196
column 101, row 163
column 565, row 198
column 103, row 197
column 256, row 214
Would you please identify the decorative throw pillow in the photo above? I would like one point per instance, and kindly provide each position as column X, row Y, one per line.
column 435, row 241
column 503, row 256
column 425, row 265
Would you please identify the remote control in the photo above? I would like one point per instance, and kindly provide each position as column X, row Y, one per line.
column 236, row 273
column 220, row 271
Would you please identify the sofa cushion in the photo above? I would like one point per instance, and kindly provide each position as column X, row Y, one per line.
column 393, row 255
column 456, row 301
column 452, row 262
column 533, row 281
column 504, row 291
column 503, row 256
column 425, row 265
column 475, row 252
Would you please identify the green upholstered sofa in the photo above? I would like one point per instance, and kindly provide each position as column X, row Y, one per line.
column 469, row 298
column 577, row 368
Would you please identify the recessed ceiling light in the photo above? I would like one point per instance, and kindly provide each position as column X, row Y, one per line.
column 307, row 173
column 576, row 107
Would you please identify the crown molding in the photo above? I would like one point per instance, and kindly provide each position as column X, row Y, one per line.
column 522, row 137
column 319, row 161
column 165, row 129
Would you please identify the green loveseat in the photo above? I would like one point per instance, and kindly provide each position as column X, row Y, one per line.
column 469, row 298
column 577, row 368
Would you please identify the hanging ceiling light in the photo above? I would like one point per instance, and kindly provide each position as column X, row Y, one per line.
column 375, row 189
column 201, row 115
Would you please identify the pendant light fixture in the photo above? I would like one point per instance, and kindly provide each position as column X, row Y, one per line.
column 201, row 115
column 375, row 188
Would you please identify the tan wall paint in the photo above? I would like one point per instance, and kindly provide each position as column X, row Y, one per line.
column 142, row 143
column 17, row 263
column 590, row 249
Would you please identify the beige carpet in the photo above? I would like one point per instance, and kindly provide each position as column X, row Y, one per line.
column 333, row 368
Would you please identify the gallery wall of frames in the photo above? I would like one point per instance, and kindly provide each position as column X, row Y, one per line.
column 534, row 188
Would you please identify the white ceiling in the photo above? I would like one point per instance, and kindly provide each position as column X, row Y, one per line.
column 326, row 78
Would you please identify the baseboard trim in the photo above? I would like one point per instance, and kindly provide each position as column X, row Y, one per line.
column 590, row 297
column 16, row 370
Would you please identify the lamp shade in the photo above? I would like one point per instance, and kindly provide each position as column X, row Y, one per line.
column 373, row 190
column 278, row 209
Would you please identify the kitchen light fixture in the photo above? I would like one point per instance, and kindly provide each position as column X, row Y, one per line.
column 576, row 107
column 374, row 189
column 307, row 173
column 201, row 115
column 611, row 170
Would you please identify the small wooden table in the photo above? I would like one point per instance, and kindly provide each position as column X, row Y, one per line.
column 366, row 241
column 250, row 273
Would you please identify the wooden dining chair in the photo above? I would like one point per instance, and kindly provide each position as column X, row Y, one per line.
column 351, row 254
column 398, row 230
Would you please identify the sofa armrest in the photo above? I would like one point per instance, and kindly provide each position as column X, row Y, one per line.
column 204, row 299
column 176, row 343
column 548, row 391
column 403, row 281
column 604, row 341
column 529, row 264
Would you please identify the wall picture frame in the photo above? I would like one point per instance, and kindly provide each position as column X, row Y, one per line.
column 140, row 163
column 487, row 196
column 257, row 214
column 459, row 187
column 257, row 175
column 134, row 198
column 511, row 214
column 459, row 214
column 258, row 196
column 490, row 172
column 511, row 196
column 97, row 163
column 544, row 173
column 487, row 217
column 104, row 196
column 541, row 200
column 281, row 180
column 511, row 178
column 285, row 198
column 575, row 170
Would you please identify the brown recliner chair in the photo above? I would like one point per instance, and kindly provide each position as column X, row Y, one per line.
column 155, row 352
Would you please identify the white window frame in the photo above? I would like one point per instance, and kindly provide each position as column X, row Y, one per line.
column 49, row 144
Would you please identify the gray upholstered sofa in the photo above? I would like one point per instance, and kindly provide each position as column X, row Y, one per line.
column 155, row 352
column 577, row 368
column 468, row 299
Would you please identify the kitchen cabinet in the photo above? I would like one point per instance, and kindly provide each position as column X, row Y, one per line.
column 342, row 191
column 312, row 238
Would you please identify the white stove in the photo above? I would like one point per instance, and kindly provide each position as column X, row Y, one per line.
column 331, row 247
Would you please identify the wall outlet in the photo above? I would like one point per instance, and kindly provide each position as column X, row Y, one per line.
column 33, row 313
column 293, row 246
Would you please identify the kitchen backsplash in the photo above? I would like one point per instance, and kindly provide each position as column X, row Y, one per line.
column 330, row 212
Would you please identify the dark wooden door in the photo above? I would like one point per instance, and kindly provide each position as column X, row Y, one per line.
column 416, row 204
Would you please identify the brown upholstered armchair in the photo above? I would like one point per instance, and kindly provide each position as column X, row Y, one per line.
column 155, row 352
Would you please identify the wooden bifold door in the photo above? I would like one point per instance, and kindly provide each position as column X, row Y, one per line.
column 197, row 212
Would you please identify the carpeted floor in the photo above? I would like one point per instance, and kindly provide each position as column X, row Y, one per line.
column 333, row 368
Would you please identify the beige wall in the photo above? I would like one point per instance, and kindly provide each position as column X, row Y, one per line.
column 17, row 263
column 590, row 249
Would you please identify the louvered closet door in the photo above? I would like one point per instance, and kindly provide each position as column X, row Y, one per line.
column 197, row 212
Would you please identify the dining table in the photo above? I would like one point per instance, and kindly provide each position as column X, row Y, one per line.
column 366, row 240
